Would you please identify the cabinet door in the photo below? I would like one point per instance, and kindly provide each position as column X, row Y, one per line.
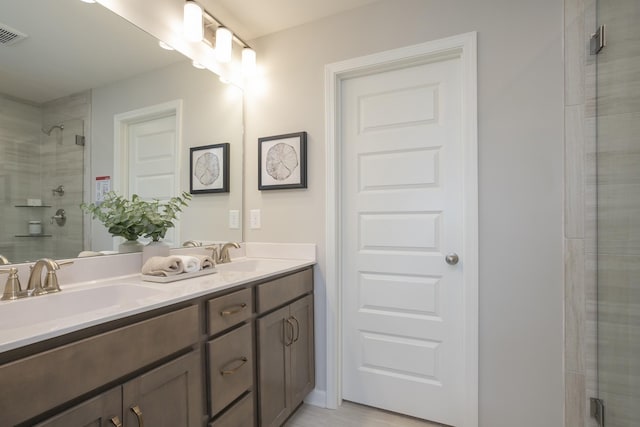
column 302, row 350
column 104, row 410
column 168, row 396
column 274, row 335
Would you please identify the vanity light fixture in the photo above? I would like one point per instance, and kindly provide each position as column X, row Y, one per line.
column 192, row 25
column 224, row 38
column 248, row 61
column 219, row 37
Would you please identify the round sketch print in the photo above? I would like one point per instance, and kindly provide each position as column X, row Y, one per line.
column 207, row 168
column 282, row 160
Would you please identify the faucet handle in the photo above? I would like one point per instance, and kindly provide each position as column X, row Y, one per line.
column 12, row 289
column 51, row 284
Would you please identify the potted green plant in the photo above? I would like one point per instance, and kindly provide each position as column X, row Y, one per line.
column 135, row 217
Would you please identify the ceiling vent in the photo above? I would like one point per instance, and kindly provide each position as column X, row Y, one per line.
column 9, row 36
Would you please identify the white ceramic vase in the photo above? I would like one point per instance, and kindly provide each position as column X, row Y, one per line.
column 130, row 246
column 152, row 249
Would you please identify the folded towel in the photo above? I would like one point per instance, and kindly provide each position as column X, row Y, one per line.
column 190, row 263
column 205, row 261
column 163, row 266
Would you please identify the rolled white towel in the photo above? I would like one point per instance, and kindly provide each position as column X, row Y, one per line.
column 205, row 261
column 190, row 263
column 163, row 266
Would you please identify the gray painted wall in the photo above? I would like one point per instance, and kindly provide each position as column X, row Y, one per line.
column 520, row 112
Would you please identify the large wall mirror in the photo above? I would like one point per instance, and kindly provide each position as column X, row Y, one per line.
column 83, row 98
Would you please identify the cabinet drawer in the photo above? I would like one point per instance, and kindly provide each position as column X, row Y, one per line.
column 230, row 367
column 228, row 310
column 239, row 415
column 280, row 291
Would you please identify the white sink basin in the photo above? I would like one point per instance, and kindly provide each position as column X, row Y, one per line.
column 68, row 303
column 251, row 265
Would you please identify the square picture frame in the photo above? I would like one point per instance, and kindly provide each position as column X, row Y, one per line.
column 282, row 161
column 209, row 169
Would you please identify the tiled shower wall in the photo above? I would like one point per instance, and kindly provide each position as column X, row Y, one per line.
column 580, row 214
column 31, row 165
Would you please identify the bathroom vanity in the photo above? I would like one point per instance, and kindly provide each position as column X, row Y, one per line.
column 235, row 348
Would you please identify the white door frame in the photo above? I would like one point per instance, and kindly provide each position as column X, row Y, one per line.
column 464, row 47
column 121, row 124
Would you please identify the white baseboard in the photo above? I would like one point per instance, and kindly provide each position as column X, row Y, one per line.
column 317, row 398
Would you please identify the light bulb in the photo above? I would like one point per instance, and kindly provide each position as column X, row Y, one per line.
column 193, row 28
column 223, row 44
column 248, row 61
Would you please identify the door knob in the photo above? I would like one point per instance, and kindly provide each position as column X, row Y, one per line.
column 452, row 258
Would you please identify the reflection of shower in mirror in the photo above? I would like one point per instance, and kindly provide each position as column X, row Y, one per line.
column 48, row 132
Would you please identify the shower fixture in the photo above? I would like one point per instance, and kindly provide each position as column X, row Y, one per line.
column 48, row 132
column 59, row 191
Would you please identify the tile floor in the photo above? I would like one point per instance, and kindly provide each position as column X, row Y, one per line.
column 352, row 415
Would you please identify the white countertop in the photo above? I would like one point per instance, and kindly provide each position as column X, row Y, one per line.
column 81, row 305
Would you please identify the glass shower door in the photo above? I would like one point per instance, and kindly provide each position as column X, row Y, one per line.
column 618, row 212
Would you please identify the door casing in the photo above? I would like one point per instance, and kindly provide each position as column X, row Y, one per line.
column 463, row 46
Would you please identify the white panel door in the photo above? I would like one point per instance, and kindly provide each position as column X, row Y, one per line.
column 153, row 162
column 402, row 195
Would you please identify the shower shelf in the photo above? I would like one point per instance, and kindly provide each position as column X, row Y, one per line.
column 32, row 206
column 33, row 235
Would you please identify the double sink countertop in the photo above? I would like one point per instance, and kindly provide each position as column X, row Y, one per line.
column 83, row 304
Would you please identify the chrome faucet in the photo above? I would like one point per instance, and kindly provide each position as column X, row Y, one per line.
column 51, row 281
column 224, row 252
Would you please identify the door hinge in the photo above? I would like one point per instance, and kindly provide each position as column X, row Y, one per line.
column 597, row 410
column 598, row 41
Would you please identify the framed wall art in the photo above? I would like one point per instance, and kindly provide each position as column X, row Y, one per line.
column 282, row 161
column 209, row 169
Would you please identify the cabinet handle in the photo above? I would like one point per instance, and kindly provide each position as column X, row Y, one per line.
column 225, row 371
column 116, row 421
column 285, row 332
column 136, row 410
column 297, row 333
column 233, row 309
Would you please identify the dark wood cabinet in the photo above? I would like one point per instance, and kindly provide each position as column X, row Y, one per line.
column 104, row 410
column 169, row 395
column 285, row 343
column 240, row 358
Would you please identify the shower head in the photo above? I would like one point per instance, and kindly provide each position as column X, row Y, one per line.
column 48, row 132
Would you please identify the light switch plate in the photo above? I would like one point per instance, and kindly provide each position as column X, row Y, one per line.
column 234, row 219
column 254, row 219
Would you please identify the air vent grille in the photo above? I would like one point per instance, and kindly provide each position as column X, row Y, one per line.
column 9, row 36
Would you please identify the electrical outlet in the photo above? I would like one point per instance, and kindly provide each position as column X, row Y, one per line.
column 234, row 219
column 254, row 219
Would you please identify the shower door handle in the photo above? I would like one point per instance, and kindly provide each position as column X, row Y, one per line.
column 452, row 258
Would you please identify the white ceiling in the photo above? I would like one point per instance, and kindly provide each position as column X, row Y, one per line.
column 73, row 46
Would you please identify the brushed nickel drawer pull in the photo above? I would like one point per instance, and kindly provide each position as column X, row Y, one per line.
column 224, row 371
column 288, row 338
column 136, row 410
column 116, row 421
column 233, row 309
column 297, row 333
